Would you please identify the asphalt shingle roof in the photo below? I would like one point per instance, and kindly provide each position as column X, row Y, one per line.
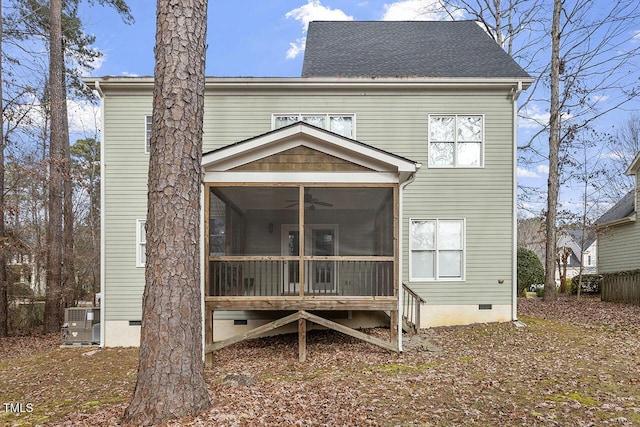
column 622, row 209
column 404, row 49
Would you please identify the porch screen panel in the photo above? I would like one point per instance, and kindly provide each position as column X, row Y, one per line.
column 248, row 238
column 362, row 217
column 343, row 225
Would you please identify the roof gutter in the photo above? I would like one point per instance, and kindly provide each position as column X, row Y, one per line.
column 265, row 83
column 625, row 220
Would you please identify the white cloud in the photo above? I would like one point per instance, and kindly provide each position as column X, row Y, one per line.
column 600, row 98
column 312, row 11
column 525, row 173
column 84, row 119
column 296, row 48
column 533, row 117
column 419, row 10
column 542, row 169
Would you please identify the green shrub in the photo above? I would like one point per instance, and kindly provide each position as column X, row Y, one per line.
column 591, row 284
column 530, row 270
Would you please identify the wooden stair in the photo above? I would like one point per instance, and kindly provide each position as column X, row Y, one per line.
column 411, row 313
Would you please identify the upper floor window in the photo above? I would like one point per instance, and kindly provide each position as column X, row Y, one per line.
column 456, row 140
column 436, row 248
column 147, row 134
column 342, row 124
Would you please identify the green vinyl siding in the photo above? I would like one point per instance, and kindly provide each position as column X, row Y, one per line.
column 125, row 201
column 389, row 119
column 619, row 248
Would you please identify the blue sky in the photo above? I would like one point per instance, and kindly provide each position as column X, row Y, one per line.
column 245, row 37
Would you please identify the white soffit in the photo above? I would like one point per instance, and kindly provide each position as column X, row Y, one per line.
column 633, row 167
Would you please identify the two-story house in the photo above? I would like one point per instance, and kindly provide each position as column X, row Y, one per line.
column 582, row 252
column 619, row 232
column 387, row 171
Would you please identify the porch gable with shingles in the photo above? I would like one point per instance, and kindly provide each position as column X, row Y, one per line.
column 301, row 159
column 301, row 147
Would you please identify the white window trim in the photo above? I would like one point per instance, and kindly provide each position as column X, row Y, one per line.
column 140, row 234
column 483, row 142
column 326, row 116
column 437, row 253
column 147, row 135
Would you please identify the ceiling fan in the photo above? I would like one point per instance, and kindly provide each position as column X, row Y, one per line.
column 309, row 200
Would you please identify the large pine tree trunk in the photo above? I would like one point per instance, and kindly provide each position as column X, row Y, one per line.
column 69, row 285
column 171, row 368
column 59, row 136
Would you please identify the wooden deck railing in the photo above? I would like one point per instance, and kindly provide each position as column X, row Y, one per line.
column 281, row 276
column 411, row 309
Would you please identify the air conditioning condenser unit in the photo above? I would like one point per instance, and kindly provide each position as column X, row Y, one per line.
column 81, row 325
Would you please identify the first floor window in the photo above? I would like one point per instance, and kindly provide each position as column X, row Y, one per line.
column 455, row 140
column 141, row 243
column 436, row 249
column 147, row 134
column 342, row 124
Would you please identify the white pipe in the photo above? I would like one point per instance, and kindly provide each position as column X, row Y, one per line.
column 514, row 256
column 401, row 254
column 203, row 266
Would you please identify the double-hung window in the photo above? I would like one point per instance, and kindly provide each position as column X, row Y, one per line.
column 436, row 249
column 342, row 124
column 456, row 140
column 141, row 243
column 147, row 134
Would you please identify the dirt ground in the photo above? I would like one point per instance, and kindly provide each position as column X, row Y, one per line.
column 573, row 364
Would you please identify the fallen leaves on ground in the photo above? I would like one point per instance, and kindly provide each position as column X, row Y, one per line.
column 575, row 363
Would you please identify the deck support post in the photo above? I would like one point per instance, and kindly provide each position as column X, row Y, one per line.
column 393, row 327
column 208, row 334
column 302, row 339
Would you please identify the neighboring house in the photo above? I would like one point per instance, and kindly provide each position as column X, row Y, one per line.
column 584, row 255
column 391, row 161
column 619, row 231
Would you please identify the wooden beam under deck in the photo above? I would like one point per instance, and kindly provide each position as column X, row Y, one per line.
column 302, row 317
column 334, row 302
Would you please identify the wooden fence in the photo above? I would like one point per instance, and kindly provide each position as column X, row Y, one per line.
column 621, row 287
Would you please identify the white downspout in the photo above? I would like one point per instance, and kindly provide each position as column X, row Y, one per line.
column 203, row 265
column 401, row 253
column 514, row 258
column 102, row 218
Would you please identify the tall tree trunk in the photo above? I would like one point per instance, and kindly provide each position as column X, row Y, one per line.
column 171, row 368
column 553, row 183
column 4, row 286
column 54, row 304
column 69, row 285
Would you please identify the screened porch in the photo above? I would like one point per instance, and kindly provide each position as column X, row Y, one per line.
column 295, row 241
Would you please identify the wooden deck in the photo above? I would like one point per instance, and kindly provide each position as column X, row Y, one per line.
column 309, row 302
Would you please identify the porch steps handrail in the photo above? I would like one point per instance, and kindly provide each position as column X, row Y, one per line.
column 411, row 313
